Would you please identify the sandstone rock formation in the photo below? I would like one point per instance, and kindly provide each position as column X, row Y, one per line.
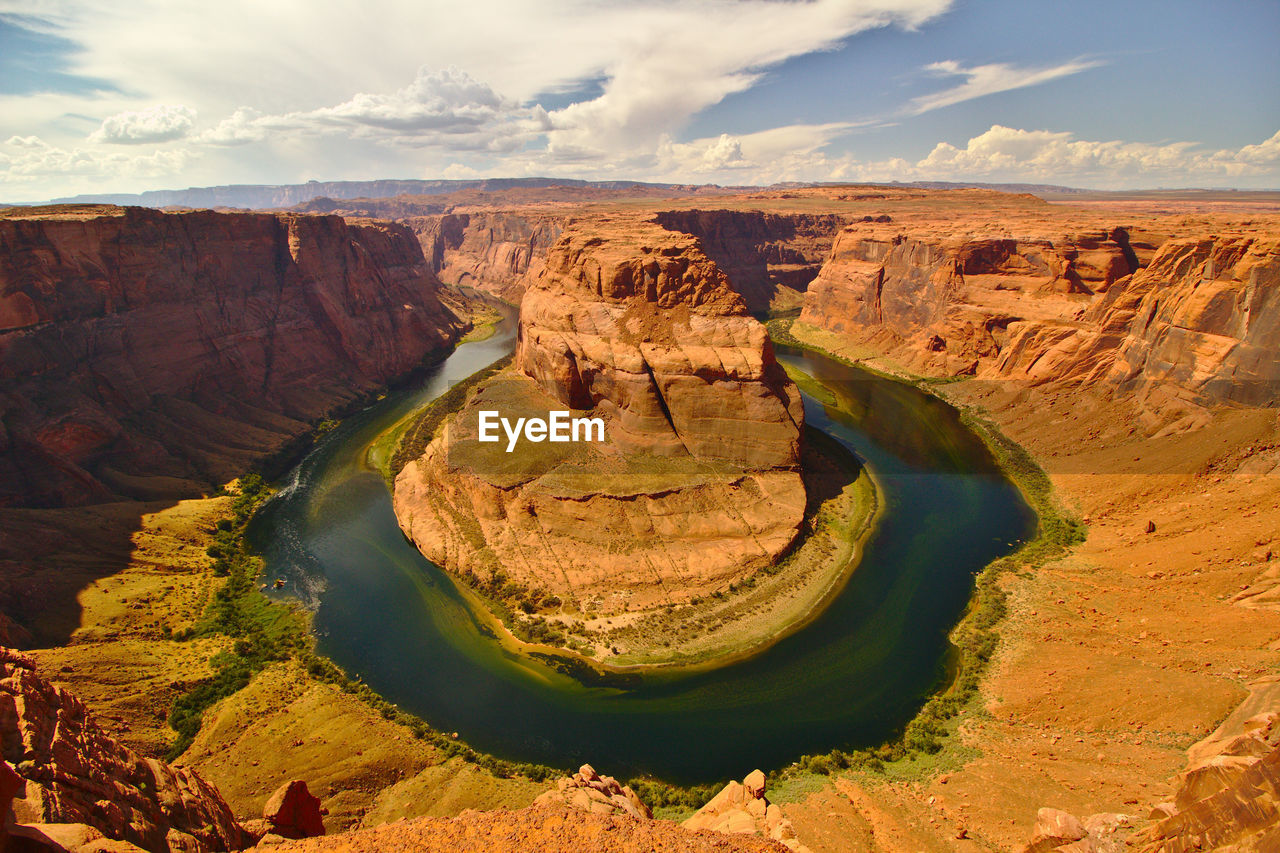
column 1174, row 324
column 743, row 808
column 73, row 772
column 952, row 296
column 588, row 791
column 697, row 484
column 147, row 354
column 770, row 258
column 293, row 812
column 1228, row 797
column 1056, row 831
column 1200, row 322
column 500, row 252
column 539, row 827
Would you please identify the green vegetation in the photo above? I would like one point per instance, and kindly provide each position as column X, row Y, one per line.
column 265, row 631
column 262, row 632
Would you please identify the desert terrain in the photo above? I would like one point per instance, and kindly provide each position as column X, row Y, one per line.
column 1129, row 344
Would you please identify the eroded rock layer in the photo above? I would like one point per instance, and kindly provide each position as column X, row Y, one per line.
column 1174, row 323
column 72, row 772
column 147, row 354
column 770, row 258
column 696, row 484
column 500, row 253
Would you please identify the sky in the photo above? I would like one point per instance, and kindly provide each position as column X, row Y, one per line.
column 130, row 95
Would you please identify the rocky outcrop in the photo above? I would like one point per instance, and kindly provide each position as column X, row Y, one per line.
column 147, row 354
column 588, row 791
column 72, row 772
column 1199, row 326
column 744, row 809
column 294, row 812
column 539, row 827
column 1228, row 797
column 1056, row 831
column 770, row 258
column 697, row 483
column 651, row 334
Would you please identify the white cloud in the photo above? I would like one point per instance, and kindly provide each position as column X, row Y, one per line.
column 31, row 160
column 161, row 123
column 982, row 80
column 1045, row 154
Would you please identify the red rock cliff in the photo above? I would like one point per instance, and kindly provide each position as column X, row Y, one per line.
column 770, row 258
column 145, row 353
column 646, row 327
column 72, row 772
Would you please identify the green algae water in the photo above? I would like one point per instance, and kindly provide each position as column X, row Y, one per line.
column 849, row 679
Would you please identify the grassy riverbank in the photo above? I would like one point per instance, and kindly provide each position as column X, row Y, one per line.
column 925, row 744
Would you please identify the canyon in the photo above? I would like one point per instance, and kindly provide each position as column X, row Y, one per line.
column 1128, row 345
column 697, row 484
column 151, row 355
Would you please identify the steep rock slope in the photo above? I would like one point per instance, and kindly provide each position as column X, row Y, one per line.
column 770, row 258
column 497, row 252
column 1200, row 324
column 1175, row 324
column 147, row 354
column 696, row 484
column 72, row 772
column 943, row 300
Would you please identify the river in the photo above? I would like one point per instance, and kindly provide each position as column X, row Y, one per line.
column 849, row 679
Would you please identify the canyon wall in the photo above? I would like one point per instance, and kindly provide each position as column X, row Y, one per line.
column 147, row 354
column 499, row 253
column 770, row 258
column 697, row 484
column 1200, row 323
column 1173, row 324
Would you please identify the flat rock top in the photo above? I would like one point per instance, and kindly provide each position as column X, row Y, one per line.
column 62, row 211
column 532, row 829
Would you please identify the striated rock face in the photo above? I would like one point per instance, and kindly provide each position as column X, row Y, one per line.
column 73, row 772
column 588, row 791
column 653, row 336
column 770, row 258
column 1229, row 795
column 499, row 253
column 1193, row 322
column 947, row 300
column 744, row 809
column 697, row 483
column 1199, row 325
column 145, row 354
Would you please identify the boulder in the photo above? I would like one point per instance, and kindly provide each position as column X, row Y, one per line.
column 588, row 791
column 294, row 812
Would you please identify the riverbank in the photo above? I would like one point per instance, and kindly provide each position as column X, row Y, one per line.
column 1113, row 657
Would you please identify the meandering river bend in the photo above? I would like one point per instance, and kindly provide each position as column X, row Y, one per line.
column 851, row 678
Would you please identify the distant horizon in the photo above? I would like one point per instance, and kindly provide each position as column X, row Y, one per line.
column 553, row 182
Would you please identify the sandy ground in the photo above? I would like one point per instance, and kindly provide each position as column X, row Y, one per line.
column 1115, row 659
